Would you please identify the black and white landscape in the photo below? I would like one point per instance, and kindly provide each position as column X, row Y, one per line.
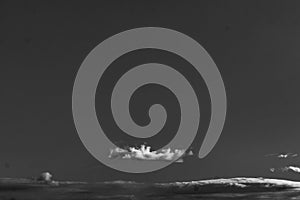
column 231, row 188
column 256, row 48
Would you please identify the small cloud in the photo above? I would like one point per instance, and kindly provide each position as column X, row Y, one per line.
column 292, row 169
column 180, row 160
column 282, row 155
column 145, row 153
column 289, row 168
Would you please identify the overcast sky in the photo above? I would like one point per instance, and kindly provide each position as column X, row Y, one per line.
column 255, row 44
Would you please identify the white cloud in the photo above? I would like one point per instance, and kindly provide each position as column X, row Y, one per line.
column 272, row 170
column 230, row 183
column 282, row 155
column 145, row 153
column 290, row 168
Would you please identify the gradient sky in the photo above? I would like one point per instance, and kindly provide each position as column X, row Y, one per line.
column 255, row 44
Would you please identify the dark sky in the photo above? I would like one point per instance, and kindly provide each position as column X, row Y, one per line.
column 255, row 44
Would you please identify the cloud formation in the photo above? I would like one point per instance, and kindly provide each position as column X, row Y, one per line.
column 289, row 168
column 145, row 153
column 282, row 155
